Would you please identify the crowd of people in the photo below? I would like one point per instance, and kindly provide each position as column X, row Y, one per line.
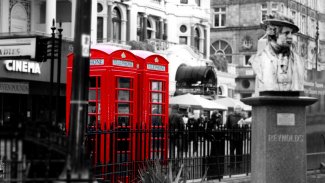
column 186, row 131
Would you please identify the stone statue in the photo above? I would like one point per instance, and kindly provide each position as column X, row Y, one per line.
column 277, row 67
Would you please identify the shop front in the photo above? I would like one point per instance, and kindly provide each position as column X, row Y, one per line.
column 25, row 87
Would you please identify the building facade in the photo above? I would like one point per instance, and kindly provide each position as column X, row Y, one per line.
column 162, row 24
column 236, row 29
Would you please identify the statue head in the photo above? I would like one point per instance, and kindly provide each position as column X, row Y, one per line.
column 279, row 30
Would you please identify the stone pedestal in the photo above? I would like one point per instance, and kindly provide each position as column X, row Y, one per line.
column 278, row 151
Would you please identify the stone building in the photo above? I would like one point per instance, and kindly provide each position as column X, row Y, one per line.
column 236, row 29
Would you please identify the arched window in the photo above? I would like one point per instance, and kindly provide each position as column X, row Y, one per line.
column 116, row 19
column 222, row 48
column 197, row 38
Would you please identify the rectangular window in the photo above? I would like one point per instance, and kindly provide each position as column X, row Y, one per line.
column 303, row 24
column 183, row 40
column 294, row 16
column 263, row 11
column 247, row 57
column 100, row 27
column 312, row 28
column 220, row 17
column 274, row 8
column 184, row 1
column 198, row 2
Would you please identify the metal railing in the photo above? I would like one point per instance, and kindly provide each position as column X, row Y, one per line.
column 38, row 153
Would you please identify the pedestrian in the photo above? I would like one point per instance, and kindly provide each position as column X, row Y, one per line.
column 277, row 67
column 176, row 127
column 233, row 124
column 192, row 127
column 217, row 141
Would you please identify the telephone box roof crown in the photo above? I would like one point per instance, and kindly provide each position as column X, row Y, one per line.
column 280, row 20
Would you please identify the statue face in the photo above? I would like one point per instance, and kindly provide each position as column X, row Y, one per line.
column 285, row 37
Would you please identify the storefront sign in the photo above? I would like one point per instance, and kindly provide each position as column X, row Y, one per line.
column 156, row 67
column 18, row 47
column 122, row 63
column 22, row 66
column 11, row 87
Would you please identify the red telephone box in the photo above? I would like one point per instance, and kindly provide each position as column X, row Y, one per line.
column 112, row 106
column 126, row 93
column 153, row 73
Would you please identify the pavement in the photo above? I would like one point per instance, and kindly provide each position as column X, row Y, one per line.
column 311, row 178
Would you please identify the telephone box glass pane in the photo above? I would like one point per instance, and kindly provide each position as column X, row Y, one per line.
column 156, row 109
column 156, row 120
column 91, row 122
column 92, row 82
column 92, row 107
column 124, row 83
column 98, row 94
column 156, row 97
column 124, row 95
column 123, row 108
column 123, row 120
column 156, row 85
column 92, row 94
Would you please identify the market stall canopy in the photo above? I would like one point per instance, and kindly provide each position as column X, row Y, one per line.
column 195, row 101
column 231, row 103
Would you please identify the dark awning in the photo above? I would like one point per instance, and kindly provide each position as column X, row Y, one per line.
column 193, row 74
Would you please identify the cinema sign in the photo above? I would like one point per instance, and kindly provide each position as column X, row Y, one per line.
column 18, row 47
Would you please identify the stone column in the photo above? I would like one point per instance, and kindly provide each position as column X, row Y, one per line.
column 279, row 137
column 123, row 31
column 166, row 29
column 109, row 23
column 50, row 15
column 73, row 17
column 192, row 35
column 93, row 30
column 145, row 25
column 128, row 23
column 4, row 15
column 207, row 41
column 161, row 28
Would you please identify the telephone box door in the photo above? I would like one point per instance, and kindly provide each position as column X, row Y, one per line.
column 158, row 116
column 124, row 111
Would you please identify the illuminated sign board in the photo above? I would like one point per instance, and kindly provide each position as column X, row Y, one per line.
column 22, row 66
column 156, row 67
column 96, row 62
column 18, row 47
column 122, row 63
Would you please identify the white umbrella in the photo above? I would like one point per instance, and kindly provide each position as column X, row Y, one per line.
column 195, row 101
column 231, row 102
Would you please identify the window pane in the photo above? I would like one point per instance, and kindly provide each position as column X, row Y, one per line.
column 156, row 109
column 156, row 120
column 156, row 85
column 223, row 9
column 223, row 19
column 124, row 95
column 264, row 6
column 123, row 108
column 124, row 83
column 92, row 82
column 182, row 40
column 156, row 97
column 92, row 107
column 92, row 95
column 123, row 120
column 216, row 20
